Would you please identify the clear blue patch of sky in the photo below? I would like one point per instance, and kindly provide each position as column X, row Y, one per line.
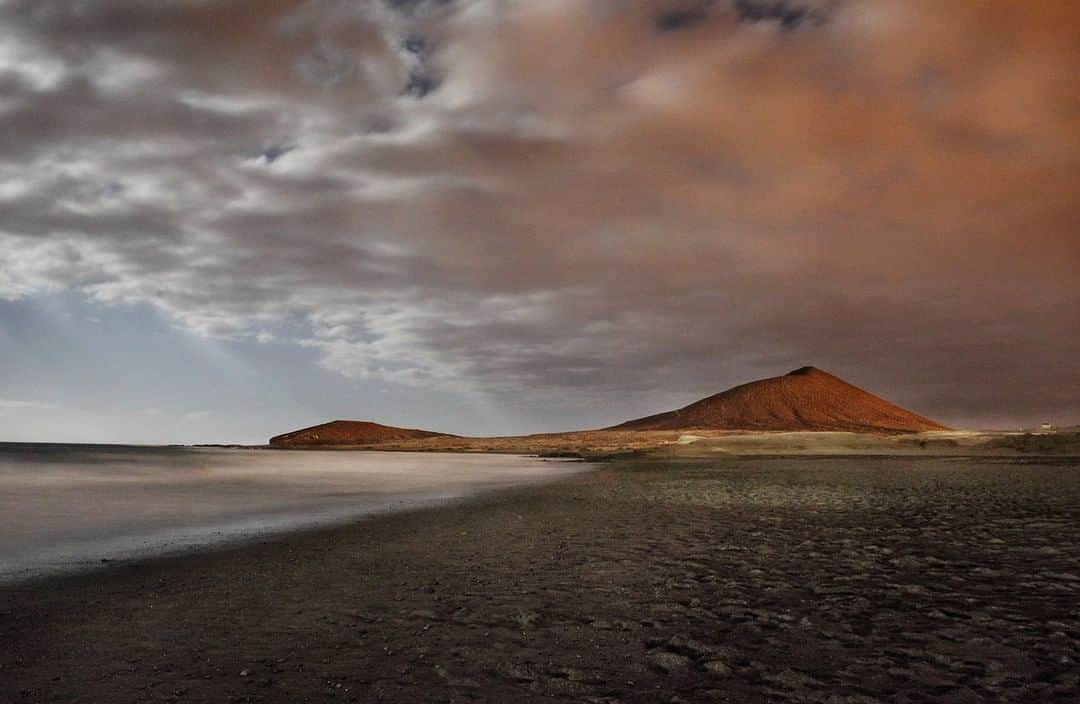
column 75, row 370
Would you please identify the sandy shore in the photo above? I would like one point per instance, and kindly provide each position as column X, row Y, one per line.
column 841, row 581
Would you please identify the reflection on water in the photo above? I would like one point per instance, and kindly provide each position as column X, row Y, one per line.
column 67, row 506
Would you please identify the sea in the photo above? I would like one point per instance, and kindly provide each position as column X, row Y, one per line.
column 66, row 508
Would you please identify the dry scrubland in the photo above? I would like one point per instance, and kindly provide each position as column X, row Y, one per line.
column 603, row 444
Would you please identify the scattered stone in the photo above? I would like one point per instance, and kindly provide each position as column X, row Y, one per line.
column 791, row 679
column 522, row 672
column 717, row 667
column 689, row 647
column 668, row 662
column 526, row 618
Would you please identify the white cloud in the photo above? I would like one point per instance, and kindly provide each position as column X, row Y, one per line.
column 13, row 404
column 29, row 62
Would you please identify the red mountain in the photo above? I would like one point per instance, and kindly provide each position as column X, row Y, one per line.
column 349, row 432
column 805, row 399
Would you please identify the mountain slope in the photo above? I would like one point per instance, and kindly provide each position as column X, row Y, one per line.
column 805, row 399
column 349, row 432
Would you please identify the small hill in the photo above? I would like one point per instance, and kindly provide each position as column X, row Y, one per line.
column 806, row 399
column 350, row 432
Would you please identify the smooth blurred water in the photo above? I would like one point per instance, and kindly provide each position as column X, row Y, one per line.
column 65, row 507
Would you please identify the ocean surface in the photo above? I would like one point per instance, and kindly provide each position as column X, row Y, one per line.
column 71, row 507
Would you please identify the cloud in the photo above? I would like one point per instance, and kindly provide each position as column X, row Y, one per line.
column 596, row 199
column 13, row 404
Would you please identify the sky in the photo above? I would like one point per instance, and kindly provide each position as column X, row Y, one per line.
column 222, row 220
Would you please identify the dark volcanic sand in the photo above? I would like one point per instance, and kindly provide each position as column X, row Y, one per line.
column 805, row 580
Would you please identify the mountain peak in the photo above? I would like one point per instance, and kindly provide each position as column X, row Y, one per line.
column 350, row 432
column 806, row 399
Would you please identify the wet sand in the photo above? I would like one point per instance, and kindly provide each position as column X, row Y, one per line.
column 837, row 580
column 65, row 507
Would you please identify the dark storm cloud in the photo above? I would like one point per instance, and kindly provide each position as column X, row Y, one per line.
column 788, row 14
column 675, row 19
column 558, row 197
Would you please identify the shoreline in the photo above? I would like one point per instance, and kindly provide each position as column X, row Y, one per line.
column 81, row 519
column 79, row 577
column 752, row 580
column 190, row 542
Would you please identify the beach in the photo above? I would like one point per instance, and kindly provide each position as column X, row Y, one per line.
column 841, row 580
column 64, row 508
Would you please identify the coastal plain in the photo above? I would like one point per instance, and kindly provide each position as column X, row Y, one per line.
column 705, row 443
